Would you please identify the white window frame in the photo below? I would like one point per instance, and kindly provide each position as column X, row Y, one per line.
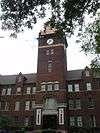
column 70, row 88
column 49, row 87
column 79, row 121
column 28, row 90
column 88, row 86
column 34, row 90
column 38, row 117
column 56, row 86
column 72, row 121
column 3, row 92
column 9, row 91
column 76, row 87
column 17, row 106
column 18, row 91
column 61, row 116
column 27, row 105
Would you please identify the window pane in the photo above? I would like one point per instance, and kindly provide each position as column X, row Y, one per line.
column 88, row 85
column 34, row 89
column 3, row 92
column 72, row 121
column 27, row 105
column 28, row 90
column 43, row 87
column 70, row 88
column 71, row 104
column 17, row 106
column 56, row 86
column 9, row 91
column 76, row 87
column 78, row 104
column 79, row 121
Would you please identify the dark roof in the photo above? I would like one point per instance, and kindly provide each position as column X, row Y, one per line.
column 74, row 74
column 10, row 79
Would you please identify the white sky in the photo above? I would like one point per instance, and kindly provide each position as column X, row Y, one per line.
column 20, row 55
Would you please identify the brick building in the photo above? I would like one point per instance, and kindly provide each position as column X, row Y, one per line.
column 53, row 98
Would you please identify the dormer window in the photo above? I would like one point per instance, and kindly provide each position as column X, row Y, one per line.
column 18, row 90
column 87, row 73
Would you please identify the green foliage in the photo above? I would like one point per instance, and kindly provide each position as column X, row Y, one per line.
column 66, row 14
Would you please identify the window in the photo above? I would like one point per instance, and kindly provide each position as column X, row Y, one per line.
column 18, row 90
column 34, row 89
column 9, row 91
column 70, row 88
column 6, row 106
column 92, row 121
column 78, row 104
column 27, row 105
column 47, row 52
column 43, row 86
column 71, row 104
column 79, row 121
column 56, row 86
column 61, row 116
column 17, row 106
column 38, row 117
column 26, row 121
column 33, row 105
column 91, row 103
column 76, row 87
column 87, row 73
column 3, row 92
column 49, row 87
column 88, row 85
column 72, row 121
column 28, row 91
column 52, row 51
column 49, row 66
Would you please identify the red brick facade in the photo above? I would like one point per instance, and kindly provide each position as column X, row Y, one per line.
column 54, row 98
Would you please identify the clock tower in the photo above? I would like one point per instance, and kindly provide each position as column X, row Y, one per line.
column 51, row 80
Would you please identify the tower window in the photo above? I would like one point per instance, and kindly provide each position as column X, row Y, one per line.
column 49, row 66
column 88, row 85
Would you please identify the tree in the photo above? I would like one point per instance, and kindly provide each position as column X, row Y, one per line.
column 65, row 15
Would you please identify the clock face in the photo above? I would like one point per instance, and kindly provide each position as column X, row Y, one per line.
column 50, row 41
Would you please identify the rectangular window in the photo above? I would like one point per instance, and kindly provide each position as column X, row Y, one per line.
column 17, row 106
column 78, row 104
column 72, row 121
column 43, row 87
column 61, row 116
column 6, row 106
column 56, row 86
column 38, row 117
column 70, row 88
column 91, row 103
column 33, row 89
column 52, row 51
column 49, row 87
column 28, row 91
column 3, row 92
column 33, row 105
column 79, row 121
column 76, row 87
column 18, row 90
column 27, row 105
column 26, row 121
column 47, row 52
column 9, row 91
column 88, row 85
column 49, row 66
column 71, row 104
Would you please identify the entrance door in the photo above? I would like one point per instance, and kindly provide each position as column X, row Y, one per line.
column 49, row 122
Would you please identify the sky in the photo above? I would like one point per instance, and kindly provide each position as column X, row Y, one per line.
column 20, row 55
